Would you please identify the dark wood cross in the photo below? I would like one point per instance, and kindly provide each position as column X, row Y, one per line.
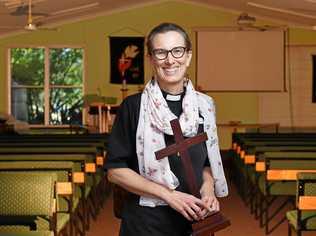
column 181, row 147
column 215, row 221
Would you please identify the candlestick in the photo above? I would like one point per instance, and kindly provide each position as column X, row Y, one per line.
column 124, row 89
column 124, row 84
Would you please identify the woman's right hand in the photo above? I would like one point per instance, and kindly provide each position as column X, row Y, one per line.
column 186, row 204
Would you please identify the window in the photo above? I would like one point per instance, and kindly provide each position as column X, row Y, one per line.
column 47, row 85
column 314, row 80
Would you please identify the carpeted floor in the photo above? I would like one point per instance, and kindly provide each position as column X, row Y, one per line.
column 242, row 222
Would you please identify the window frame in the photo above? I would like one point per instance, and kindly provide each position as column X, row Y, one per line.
column 47, row 85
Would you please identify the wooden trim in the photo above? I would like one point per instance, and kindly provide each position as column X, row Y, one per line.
column 90, row 168
column 78, row 177
column 307, row 203
column 49, row 46
column 64, row 188
column 260, row 166
column 285, row 174
column 84, row 76
column 65, row 86
column 46, row 86
column 244, row 125
column 216, row 28
column 100, row 160
column 28, row 86
column 250, row 159
column 9, row 81
column 300, row 45
column 241, row 91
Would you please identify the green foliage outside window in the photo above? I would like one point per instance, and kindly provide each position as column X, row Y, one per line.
column 65, row 97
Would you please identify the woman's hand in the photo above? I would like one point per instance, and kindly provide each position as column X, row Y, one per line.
column 188, row 205
column 209, row 199
column 207, row 194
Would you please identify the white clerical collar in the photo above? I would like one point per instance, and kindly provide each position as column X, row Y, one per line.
column 173, row 98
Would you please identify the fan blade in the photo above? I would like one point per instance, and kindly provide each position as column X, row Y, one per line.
column 11, row 27
column 20, row 11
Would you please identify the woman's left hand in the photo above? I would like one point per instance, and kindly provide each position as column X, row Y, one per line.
column 207, row 194
column 211, row 201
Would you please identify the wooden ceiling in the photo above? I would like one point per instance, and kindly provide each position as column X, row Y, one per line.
column 14, row 14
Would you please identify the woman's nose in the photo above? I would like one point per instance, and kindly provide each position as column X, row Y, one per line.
column 169, row 59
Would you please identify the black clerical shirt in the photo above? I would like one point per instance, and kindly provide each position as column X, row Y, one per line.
column 122, row 154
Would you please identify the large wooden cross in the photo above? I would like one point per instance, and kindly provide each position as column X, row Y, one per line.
column 215, row 221
column 181, row 147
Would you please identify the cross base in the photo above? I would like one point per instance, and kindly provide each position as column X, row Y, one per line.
column 210, row 225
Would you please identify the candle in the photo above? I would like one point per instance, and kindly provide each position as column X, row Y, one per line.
column 124, row 84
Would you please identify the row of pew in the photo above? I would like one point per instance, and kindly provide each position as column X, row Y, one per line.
column 51, row 184
column 276, row 173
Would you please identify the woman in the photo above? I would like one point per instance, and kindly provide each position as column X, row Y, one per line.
column 160, row 203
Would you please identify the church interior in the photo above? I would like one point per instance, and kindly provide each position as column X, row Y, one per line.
column 66, row 66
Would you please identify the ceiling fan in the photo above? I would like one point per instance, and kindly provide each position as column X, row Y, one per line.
column 30, row 25
column 245, row 21
column 24, row 9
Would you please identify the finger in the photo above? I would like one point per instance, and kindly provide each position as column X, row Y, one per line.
column 216, row 206
column 197, row 205
column 204, row 213
column 213, row 203
column 208, row 202
column 192, row 213
column 207, row 206
column 197, row 209
column 207, row 211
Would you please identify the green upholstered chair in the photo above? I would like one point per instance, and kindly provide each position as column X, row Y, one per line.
column 26, row 198
column 66, row 171
column 91, row 181
column 303, row 218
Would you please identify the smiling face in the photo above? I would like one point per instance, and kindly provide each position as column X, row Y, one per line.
column 170, row 72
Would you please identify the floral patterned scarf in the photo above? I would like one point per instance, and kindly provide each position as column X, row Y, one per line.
column 154, row 122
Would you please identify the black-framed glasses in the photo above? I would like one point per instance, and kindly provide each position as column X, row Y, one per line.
column 162, row 54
